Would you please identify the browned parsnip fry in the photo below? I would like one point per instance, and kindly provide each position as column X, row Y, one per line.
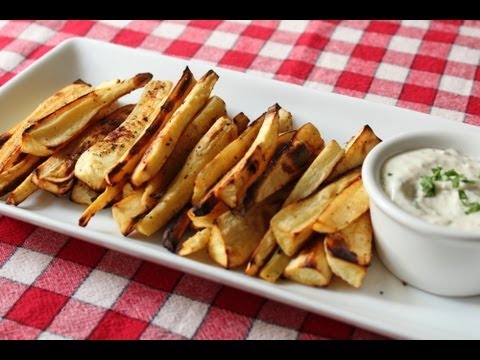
column 241, row 120
column 12, row 148
column 285, row 121
column 83, row 194
column 195, row 243
column 163, row 144
column 94, row 164
column 264, row 250
column 128, row 211
column 311, row 180
column 356, row 151
column 234, row 185
column 71, row 92
column 212, row 110
column 8, row 134
column 224, row 161
column 354, row 242
column 180, row 190
column 127, row 190
column 203, row 120
column 352, row 273
column 51, row 132
column 275, row 266
column 293, row 225
column 345, row 208
column 101, row 202
column 207, row 220
column 17, row 173
column 55, row 175
column 175, row 230
column 294, row 158
column 203, row 198
column 317, row 172
column 22, row 192
column 234, row 236
column 310, row 266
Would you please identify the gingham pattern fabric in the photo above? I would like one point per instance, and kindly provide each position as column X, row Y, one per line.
column 55, row 287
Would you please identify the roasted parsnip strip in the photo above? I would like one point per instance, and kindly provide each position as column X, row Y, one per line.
column 195, row 243
column 241, row 120
column 354, row 242
column 344, row 209
column 310, row 181
column 101, row 202
column 12, row 148
column 175, row 230
column 310, row 266
column 225, row 160
column 233, row 186
column 82, row 193
column 22, row 192
column 204, row 199
column 51, row 132
column 204, row 119
column 162, row 146
column 16, row 174
column 356, row 151
column 293, row 225
column 126, row 165
column 128, row 211
column 56, row 173
column 235, row 235
column 294, row 158
column 94, row 164
column 275, row 266
column 180, row 190
column 352, row 273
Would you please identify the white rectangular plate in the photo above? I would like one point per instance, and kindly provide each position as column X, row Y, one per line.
column 383, row 304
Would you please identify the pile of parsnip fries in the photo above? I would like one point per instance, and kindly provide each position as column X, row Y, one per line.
column 262, row 194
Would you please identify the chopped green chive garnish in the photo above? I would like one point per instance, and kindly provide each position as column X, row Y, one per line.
column 429, row 190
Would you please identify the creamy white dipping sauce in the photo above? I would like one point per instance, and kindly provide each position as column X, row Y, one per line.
column 442, row 199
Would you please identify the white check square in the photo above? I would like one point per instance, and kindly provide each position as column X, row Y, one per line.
column 391, row 72
column 347, row 34
column 37, row 33
column 25, row 266
column 464, row 54
column 169, row 30
column 404, row 44
column 265, row 331
column 101, row 289
column 181, row 315
column 275, row 50
column 222, row 40
column 456, row 85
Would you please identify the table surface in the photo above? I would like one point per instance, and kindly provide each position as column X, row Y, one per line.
column 55, row 287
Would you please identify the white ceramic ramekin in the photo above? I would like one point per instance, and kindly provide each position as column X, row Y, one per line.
column 434, row 258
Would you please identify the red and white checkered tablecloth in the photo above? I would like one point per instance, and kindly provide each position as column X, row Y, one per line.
column 55, row 287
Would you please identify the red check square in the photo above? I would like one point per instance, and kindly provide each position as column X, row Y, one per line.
column 157, row 277
column 82, row 252
column 418, row 94
column 37, row 308
column 238, row 301
column 115, row 326
column 429, row 63
column 322, row 326
column 353, row 81
column 129, row 37
column 14, row 232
